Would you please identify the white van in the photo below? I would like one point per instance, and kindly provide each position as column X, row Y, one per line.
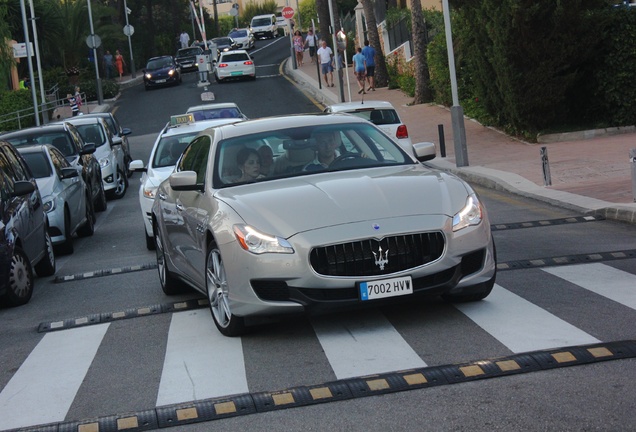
column 264, row 26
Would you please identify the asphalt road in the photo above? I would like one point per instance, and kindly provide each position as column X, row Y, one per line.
column 564, row 282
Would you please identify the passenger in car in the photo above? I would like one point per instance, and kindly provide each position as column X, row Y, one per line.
column 249, row 163
column 267, row 159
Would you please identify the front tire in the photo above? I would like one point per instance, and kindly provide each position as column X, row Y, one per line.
column 100, row 203
column 88, row 229
column 46, row 266
column 169, row 284
column 121, row 185
column 66, row 248
column 20, row 283
column 217, row 289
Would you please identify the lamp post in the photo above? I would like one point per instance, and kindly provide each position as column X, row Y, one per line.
column 29, row 54
column 133, row 74
column 45, row 119
column 336, row 53
column 100, row 95
column 457, row 113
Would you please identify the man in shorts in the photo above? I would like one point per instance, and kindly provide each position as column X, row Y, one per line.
column 369, row 56
column 326, row 58
column 310, row 42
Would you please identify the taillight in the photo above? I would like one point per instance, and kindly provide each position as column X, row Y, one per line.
column 248, row 63
column 221, row 65
column 402, row 132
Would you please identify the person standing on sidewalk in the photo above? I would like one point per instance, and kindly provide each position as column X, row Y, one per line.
column 310, row 42
column 326, row 62
column 119, row 63
column 108, row 64
column 184, row 39
column 73, row 104
column 360, row 68
column 369, row 55
column 299, row 47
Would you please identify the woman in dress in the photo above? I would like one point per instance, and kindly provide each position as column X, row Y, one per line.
column 299, row 47
column 119, row 63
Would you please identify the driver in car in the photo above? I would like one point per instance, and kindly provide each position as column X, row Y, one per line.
column 327, row 144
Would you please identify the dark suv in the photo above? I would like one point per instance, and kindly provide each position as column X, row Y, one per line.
column 187, row 58
column 66, row 138
column 24, row 240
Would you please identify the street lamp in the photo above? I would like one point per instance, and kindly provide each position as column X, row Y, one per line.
column 457, row 113
column 94, row 43
column 133, row 74
column 29, row 54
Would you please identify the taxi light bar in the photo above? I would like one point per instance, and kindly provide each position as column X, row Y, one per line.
column 176, row 120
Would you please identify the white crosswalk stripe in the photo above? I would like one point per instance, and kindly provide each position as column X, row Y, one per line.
column 44, row 387
column 200, row 363
column 602, row 279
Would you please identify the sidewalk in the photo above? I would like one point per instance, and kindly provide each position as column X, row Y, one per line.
column 591, row 176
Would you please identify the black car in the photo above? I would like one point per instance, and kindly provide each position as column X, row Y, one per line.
column 224, row 44
column 161, row 71
column 187, row 58
column 66, row 138
column 120, row 133
column 25, row 243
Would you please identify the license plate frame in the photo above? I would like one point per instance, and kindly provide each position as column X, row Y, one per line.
column 385, row 288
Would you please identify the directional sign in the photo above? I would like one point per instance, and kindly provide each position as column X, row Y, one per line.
column 288, row 12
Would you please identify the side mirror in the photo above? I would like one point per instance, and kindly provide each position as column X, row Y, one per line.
column 126, row 131
column 22, row 187
column 424, row 151
column 68, row 173
column 117, row 140
column 89, row 148
column 137, row 165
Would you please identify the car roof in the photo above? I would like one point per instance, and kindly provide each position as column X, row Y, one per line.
column 266, row 124
column 43, row 128
column 197, row 126
column 360, row 105
column 84, row 120
column 235, row 52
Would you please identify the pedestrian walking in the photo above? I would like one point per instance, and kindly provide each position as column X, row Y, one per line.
column 310, row 42
column 73, row 104
column 184, row 38
column 360, row 68
column 78, row 98
column 326, row 62
column 108, row 64
column 299, row 47
column 369, row 54
column 119, row 63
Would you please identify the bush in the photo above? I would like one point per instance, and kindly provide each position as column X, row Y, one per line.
column 16, row 102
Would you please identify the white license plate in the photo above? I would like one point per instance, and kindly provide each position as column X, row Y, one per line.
column 386, row 288
column 160, row 81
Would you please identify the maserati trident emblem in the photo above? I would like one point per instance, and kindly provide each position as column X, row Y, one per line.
column 380, row 260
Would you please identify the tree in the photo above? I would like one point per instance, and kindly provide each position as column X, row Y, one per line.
column 6, row 57
column 423, row 91
column 381, row 73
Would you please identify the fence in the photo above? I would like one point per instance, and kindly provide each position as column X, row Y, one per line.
column 398, row 34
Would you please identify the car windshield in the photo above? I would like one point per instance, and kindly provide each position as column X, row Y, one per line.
column 238, row 33
column 39, row 165
column 189, row 52
column 234, row 57
column 304, row 151
column 59, row 140
column 215, row 113
column 259, row 22
column 159, row 63
column 170, row 148
column 222, row 41
column 378, row 116
column 92, row 133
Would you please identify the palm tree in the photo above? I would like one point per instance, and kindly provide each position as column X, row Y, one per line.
column 381, row 73
column 423, row 92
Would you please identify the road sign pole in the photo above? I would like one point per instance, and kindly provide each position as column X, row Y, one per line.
column 133, row 73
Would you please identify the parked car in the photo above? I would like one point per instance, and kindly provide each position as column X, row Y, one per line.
column 65, row 197
column 161, row 71
column 232, row 65
column 120, row 133
column 215, row 111
column 67, row 139
column 243, row 38
column 25, row 243
column 169, row 145
column 357, row 221
column 381, row 114
column 109, row 153
column 187, row 58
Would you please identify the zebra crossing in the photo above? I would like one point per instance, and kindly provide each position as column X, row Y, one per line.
column 199, row 363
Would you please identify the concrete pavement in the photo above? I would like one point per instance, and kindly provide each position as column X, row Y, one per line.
column 590, row 170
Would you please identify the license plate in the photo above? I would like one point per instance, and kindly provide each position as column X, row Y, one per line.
column 237, row 73
column 160, row 81
column 386, row 288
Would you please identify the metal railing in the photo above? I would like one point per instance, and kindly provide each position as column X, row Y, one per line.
column 26, row 117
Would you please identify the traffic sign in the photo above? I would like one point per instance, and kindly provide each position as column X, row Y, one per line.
column 129, row 30
column 288, row 12
column 93, row 41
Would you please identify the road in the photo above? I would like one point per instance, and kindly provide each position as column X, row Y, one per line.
column 100, row 344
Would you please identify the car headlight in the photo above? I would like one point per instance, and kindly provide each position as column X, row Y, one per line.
column 48, row 203
column 171, row 72
column 148, row 76
column 104, row 162
column 257, row 242
column 471, row 214
column 149, row 191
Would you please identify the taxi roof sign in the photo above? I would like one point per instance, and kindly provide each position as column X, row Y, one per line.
column 180, row 119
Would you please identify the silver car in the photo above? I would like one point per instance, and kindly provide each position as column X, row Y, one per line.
column 343, row 217
column 65, row 197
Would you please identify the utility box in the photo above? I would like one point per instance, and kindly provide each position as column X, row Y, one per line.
column 203, row 63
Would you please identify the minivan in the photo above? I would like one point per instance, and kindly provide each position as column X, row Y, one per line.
column 264, row 26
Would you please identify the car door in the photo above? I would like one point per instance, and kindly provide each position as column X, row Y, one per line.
column 193, row 212
column 72, row 188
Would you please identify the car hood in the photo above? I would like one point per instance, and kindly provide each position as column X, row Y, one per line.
column 289, row 206
column 159, row 71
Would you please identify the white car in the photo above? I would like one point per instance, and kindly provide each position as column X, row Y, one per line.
column 65, row 197
column 215, row 111
column 169, row 145
column 108, row 151
column 243, row 37
column 234, row 65
column 380, row 113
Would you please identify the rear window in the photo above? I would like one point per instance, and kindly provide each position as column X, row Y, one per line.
column 38, row 164
column 59, row 140
column 235, row 57
column 378, row 116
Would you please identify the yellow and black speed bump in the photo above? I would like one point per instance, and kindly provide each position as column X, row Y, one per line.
column 547, row 222
column 105, row 272
column 68, row 323
column 567, row 260
column 251, row 403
